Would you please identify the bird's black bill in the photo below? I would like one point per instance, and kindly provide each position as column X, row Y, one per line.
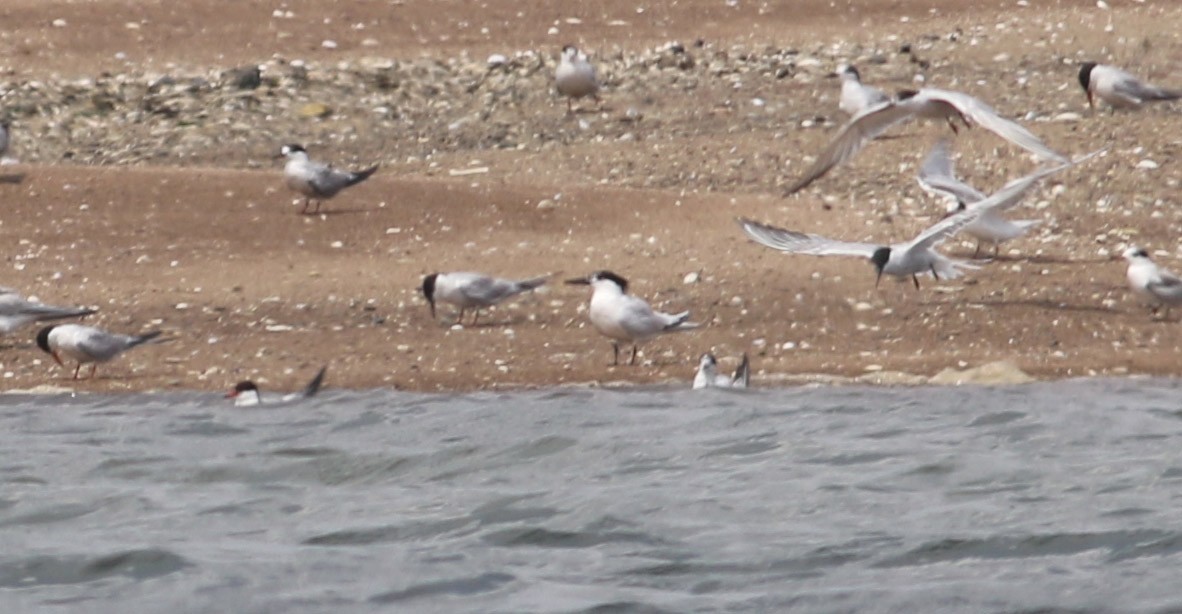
column 580, row 281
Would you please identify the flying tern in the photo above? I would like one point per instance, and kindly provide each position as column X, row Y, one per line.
column 709, row 377
column 473, row 290
column 622, row 317
column 1160, row 286
column 575, row 77
column 247, row 394
column 87, row 344
column 16, row 311
column 1118, row 88
column 937, row 177
column 901, row 260
column 317, row 181
column 926, row 103
column 855, row 95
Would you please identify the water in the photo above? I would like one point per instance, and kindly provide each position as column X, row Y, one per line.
column 1060, row 496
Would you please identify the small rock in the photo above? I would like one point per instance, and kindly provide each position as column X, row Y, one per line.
column 1002, row 372
column 1147, row 165
column 243, row 78
column 314, row 109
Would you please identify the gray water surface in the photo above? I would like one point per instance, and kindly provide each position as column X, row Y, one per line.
column 1049, row 497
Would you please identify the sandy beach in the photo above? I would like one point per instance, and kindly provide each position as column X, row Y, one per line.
column 146, row 188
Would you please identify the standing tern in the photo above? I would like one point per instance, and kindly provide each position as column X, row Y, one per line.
column 1118, row 88
column 855, row 95
column 87, row 344
column 17, row 312
column 927, row 103
column 246, row 393
column 937, row 177
column 901, row 260
column 620, row 316
column 1160, row 286
column 473, row 290
column 575, row 77
column 709, row 377
column 315, row 180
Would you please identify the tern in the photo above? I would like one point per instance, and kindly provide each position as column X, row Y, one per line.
column 316, row 181
column 17, row 312
column 87, row 344
column 926, row 103
column 856, row 96
column 709, row 377
column 575, row 77
column 473, row 290
column 247, row 394
column 1118, row 88
column 1160, row 286
column 622, row 317
column 937, row 177
column 902, row 260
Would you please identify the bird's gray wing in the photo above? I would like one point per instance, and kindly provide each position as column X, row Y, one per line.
column 983, row 115
column 861, row 129
column 937, row 175
column 1128, row 85
column 640, row 320
column 803, row 243
column 13, row 304
column 327, row 181
column 104, row 346
column 489, row 290
column 1009, row 195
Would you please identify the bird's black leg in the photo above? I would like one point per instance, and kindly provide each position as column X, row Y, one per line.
column 615, row 353
column 934, row 274
column 977, row 252
column 307, row 201
column 996, row 249
column 476, row 317
column 915, row 278
column 632, row 360
column 952, row 124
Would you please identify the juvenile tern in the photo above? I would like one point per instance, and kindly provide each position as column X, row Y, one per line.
column 16, row 311
column 926, row 103
column 315, row 180
column 1160, row 286
column 473, row 290
column 901, row 260
column 709, row 377
column 1118, row 88
column 937, row 177
column 855, row 95
column 575, row 77
column 87, row 344
column 620, row 316
column 247, row 394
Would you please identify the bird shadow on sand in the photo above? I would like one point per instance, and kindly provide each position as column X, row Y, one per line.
column 1047, row 304
column 1032, row 259
column 331, row 212
column 12, row 178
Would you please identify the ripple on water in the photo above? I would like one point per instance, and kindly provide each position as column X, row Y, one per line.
column 389, row 533
column 136, row 564
column 1118, row 543
column 474, row 585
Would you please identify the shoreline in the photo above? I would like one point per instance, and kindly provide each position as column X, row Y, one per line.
column 184, row 223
